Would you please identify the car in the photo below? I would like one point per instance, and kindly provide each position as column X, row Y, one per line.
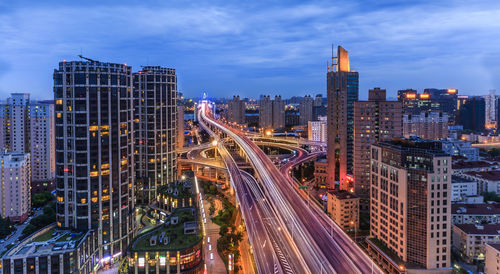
column 211, row 256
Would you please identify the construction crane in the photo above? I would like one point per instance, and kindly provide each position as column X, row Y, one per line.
column 88, row 59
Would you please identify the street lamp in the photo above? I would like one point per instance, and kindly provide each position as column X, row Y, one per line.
column 214, row 143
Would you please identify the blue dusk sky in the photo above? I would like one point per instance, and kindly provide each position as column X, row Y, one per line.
column 257, row 47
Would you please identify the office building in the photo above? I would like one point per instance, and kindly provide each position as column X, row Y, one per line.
column 342, row 92
column 236, row 110
column 440, row 100
column 316, row 130
column 15, row 196
column 375, row 120
column 94, row 153
column 492, row 259
column 426, row 125
column 471, row 113
column 155, row 130
column 470, row 240
column 43, row 146
column 343, row 207
column 306, row 110
column 410, row 201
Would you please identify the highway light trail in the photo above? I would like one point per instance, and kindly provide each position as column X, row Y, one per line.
column 323, row 246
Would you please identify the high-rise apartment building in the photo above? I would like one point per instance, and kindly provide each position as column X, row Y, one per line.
column 155, row 114
column 316, row 130
column 265, row 112
column 236, row 109
column 375, row 120
column 43, row 147
column 410, row 201
column 319, row 108
column 271, row 112
column 342, row 92
column 180, row 126
column 15, row 196
column 427, row 125
column 278, row 112
column 28, row 127
column 94, row 152
column 16, row 126
column 491, row 109
column 306, row 110
column 471, row 112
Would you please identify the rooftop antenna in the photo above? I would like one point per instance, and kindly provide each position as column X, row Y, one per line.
column 88, row 59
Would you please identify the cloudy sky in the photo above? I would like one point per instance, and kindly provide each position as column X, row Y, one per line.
column 257, row 47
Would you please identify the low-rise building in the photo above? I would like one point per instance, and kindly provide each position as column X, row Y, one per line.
column 343, row 207
column 458, row 147
column 475, row 213
column 460, row 189
column 470, row 240
column 460, row 167
column 487, row 181
column 492, row 259
column 320, row 172
column 173, row 247
column 51, row 250
column 15, row 178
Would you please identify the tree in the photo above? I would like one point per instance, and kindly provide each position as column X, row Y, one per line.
column 6, row 227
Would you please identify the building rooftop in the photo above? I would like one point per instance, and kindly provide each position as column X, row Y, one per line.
column 470, row 164
column 475, row 209
column 343, row 194
column 487, row 229
column 493, row 175
column 177, row 239
column 47, row 241
column 495, row 246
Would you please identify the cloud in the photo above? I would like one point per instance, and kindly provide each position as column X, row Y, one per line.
column 257, row 46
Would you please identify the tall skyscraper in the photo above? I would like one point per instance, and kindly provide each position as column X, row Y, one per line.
column 410, row 201
column 375, row 120
column 236, row 109
column 43, row 146
column 342, row 92
column 155, row 113
column 15, row 197
column 306, row 110
column 94, row 152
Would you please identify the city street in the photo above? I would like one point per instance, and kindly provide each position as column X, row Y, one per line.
column 19, row 229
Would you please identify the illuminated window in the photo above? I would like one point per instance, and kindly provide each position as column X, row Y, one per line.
column 94, row 173
column 93, row 128
column 58, row 102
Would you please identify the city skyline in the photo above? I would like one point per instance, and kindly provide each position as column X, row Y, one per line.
column 258, row 48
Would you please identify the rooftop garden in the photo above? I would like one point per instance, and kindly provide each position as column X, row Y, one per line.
column 178, row 240
column 178, row 189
